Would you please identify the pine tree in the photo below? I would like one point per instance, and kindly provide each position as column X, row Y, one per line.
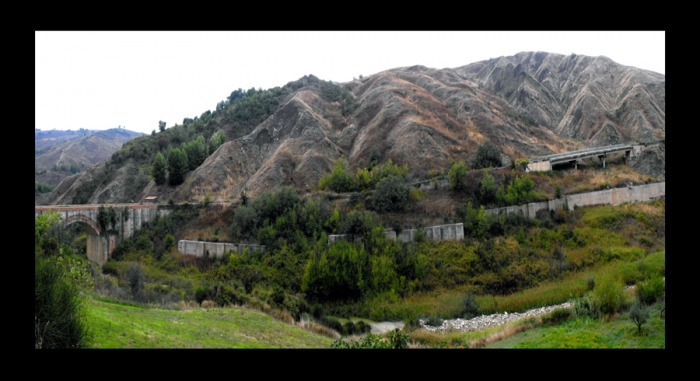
column 177, row 166
column 158, row 169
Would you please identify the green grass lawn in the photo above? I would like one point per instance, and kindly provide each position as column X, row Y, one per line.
column 585, row 332
column 124, row 326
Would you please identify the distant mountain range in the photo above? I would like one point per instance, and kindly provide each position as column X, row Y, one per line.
column 59, row 154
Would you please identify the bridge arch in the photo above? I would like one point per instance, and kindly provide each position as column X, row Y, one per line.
column 90, row 225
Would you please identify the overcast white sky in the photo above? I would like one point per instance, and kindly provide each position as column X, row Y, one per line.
column 100, row 80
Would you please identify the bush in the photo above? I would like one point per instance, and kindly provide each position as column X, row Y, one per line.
column 317, row 311
column 646, row 241
column 363, row 327
column 59, row 320
column 487, row 155
column 585, row 306
column 609, row 295
column 201, row 294
column 397, row 340
column 487, row 190
column 350, row 328
column 169, row 242
column 556, row 316
column 590, row 282
column 135, row 276
column 470, row 308
column 650, row 290
column 245, row 223
column 111, row 268
column 434, row 321
column 332, row 324
column 458, row 176
column 225, row 296
column 339, row 180
column 390, row 195
column 361, row 222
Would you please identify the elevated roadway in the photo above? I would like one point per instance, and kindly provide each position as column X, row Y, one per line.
column 545, row 163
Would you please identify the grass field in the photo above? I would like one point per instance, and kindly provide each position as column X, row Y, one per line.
column 127, row 326
column 585, row 332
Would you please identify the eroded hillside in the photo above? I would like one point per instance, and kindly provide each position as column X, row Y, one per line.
column 529, row 104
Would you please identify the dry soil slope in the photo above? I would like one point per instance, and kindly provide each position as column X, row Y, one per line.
column 422, row 117
column 529, row 104
column 83, row 152
column 589, row 99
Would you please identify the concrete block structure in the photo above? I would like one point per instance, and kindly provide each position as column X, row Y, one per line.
column 216, row 249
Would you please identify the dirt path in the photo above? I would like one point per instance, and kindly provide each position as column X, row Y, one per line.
column 62, row 151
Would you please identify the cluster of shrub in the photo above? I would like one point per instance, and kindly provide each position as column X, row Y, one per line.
column 40, row 187
column 607, row 297
column 388, row 183
column 60, row 277
column 501, row 254
column 396, row 340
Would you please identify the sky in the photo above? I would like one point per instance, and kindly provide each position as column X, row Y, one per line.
column 102, row 80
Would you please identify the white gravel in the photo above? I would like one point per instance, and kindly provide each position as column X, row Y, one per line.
column 485, row 321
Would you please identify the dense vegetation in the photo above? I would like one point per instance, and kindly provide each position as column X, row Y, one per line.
column 504, row 263
column 501, row 256
column 60, row 278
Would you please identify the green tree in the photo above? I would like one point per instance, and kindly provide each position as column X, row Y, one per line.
column 487, row 155
column 336, row 274
column 361, row 222
column 339, row 180
column 158, row 169
column 348, row 103
column 216, row 141
column 458, row 176
column 639, row 314
column 177, row 166
column 487, row 191
column 161, row 126
column 45, row 227
column 169, row 242
column 196, row 152
column 390, row 195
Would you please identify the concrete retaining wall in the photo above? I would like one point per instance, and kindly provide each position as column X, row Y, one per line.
column 218, row 249
column 609, row 196
column 438, row 233
column 540, row 166
column 430, row 184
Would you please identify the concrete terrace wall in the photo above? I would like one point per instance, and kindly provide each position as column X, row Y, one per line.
column 609, row 196
column 430, row 184
column 444, row 232
column 438, row 233
column 218, row 249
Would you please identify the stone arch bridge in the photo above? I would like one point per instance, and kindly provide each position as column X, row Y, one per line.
column 101, row 242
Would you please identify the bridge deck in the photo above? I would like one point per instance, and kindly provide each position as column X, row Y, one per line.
column 74, row 208
column 584, row 153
